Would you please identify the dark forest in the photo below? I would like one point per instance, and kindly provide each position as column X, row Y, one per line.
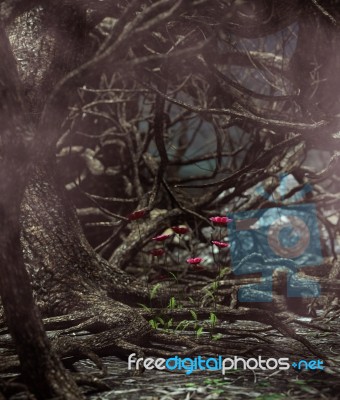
column 169, row 186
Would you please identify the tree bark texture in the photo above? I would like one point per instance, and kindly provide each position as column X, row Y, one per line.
column 64, row 268
column 41, row 368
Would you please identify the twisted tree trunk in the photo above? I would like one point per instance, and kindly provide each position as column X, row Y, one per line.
column 41, row 368
column 42, row 233
column 64, row 268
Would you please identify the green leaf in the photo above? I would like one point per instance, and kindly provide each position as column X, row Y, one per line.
column 218, row 336
column 223, row 272
column 173, row 275
column 213, row 319
column 154, row 290
column 182, row 325
column 153, row 324
column 194, row 315
column 199, row 331
column 144, row 306
column 172, row 303
column 160, row 320
column 210, row 294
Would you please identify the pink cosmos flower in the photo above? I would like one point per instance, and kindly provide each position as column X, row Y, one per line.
column 161, row 238
column 136, row 215
column 220, row 220
column 194, row 261
column 181, row 230
column 220, row 244
column 157, row 252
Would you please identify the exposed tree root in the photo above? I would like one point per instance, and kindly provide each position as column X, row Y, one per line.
column 109, row 327
column 257, row 315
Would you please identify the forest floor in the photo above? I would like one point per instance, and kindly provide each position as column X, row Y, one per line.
column 235, row 384
column 247, row 338
column 122, row 383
